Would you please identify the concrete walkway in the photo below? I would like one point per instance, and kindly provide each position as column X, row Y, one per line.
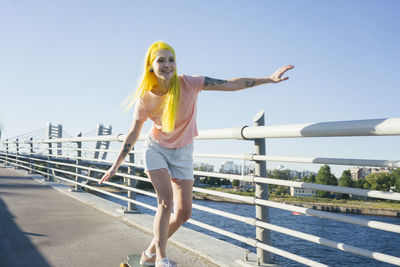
column 41, row 227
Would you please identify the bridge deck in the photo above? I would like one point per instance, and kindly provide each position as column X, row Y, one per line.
column 41, row 227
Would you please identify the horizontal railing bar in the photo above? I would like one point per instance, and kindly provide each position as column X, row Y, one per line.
column 321, row 187
column 249, row 200
column 247, row 178
column 88, row 159
column 333, row 216
column 372, row 127
column 224, row 156
column 109, row 183
column 331, row 188
column 58, row 156
column 84, row 149
column 333, row 161
column 252, row 157
column 315, row 160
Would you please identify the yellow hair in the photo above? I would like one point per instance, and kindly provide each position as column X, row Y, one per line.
column 148, row 81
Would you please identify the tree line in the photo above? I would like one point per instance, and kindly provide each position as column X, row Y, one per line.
column 382, row 181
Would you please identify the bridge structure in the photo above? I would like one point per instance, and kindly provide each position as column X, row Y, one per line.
column 61, row 159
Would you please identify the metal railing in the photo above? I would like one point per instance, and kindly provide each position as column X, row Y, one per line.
column 72, row 170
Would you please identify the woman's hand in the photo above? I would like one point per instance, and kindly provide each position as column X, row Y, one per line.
column 110, row 173
column 276, row 77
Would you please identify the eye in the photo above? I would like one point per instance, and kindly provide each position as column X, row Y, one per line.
column 160, row 60
column 171, row 59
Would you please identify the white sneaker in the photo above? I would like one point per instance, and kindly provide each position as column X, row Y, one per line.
column 165, row 263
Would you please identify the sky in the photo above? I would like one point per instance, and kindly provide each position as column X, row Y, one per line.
column 74, row 62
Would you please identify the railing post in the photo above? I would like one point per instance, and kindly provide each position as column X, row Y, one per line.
column 131, row 183
column 50, row 152
column 59, row 135
column 31, row 156
column 16, row 154
column 77, row 163
column 261, row 192
column 6, row 151
column 101, row 130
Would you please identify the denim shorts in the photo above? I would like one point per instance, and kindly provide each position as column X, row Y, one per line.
column 178, row 161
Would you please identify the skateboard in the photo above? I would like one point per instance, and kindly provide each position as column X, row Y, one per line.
column 133, row 261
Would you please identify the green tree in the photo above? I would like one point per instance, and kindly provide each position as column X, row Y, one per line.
column 281, row 190
column 396, row 176
column 213, row 181
column 309, row 179
column 281, row 174
column 324, row 176
column 235, row 182
column 345, row 181
column 380, row 181
column 225, row 182
column 360, row 183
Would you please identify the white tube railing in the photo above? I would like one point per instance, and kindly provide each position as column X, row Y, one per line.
column 376, row 127
column 252, row 200
column 251, row 221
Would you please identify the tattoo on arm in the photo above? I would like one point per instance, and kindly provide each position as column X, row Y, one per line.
column 127, row 149
column 250, row 83
column 211, row 81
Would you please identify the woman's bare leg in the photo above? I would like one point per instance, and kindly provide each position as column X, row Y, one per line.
column 162, row 184
column 182, row 195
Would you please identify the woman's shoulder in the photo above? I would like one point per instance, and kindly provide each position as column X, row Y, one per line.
column 192, row 81
column 189, row 77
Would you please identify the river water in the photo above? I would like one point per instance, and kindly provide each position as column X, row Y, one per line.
column 358, row 236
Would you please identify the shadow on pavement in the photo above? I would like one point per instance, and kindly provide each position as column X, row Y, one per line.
column 15, row 247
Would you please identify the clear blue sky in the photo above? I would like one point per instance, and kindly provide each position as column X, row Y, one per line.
column 74, row 62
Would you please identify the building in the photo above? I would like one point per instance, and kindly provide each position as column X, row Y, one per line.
column 358, row 173
column 302, row 192
column 229, row 166
column 205, row 167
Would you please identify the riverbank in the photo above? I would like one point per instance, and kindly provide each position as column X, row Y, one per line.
column 365, row 208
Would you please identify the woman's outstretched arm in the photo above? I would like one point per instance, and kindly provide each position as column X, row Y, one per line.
column 127, row 146
column 243, row 83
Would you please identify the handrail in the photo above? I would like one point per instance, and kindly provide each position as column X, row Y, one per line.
column 62, row 164
column 372, row 127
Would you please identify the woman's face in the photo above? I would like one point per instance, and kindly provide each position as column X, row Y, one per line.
column 164, row 64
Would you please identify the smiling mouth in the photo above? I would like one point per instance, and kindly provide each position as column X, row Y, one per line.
column 166, row 71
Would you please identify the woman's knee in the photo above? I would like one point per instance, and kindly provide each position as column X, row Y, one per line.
column 184, row 214
column 165, row 201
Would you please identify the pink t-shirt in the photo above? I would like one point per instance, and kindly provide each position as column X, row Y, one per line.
column 185, row 122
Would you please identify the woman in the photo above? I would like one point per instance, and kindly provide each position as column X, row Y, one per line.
column 170, row 101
